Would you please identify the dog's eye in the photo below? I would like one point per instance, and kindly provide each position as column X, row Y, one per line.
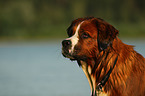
column 85, row 35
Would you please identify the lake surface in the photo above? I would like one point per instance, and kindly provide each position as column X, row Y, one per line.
column 38, row 69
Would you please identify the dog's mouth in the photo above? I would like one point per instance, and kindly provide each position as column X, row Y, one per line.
column 72, row 56
column 68, row 54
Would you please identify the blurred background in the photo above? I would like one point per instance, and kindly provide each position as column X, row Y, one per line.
column 31, row 31
column 39, row 19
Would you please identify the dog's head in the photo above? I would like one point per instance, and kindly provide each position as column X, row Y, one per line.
column 87, row 37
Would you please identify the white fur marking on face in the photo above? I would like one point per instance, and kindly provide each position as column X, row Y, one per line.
column 74, row 39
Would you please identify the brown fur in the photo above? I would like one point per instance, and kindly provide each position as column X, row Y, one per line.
column 128, row 76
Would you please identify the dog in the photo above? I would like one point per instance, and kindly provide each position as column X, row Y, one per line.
column 111, row 67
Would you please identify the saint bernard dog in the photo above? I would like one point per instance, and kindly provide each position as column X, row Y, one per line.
column 111, row 67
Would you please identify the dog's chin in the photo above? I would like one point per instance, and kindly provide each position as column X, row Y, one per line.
column 69, row 56
column 75, row 57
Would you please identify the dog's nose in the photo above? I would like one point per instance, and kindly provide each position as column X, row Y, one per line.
column 66, row 43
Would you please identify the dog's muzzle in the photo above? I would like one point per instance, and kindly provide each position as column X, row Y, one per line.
column 66, row 46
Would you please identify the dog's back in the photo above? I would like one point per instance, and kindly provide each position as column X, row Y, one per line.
column 128, row 78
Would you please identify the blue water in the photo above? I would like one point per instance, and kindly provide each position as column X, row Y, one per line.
column 38, row 69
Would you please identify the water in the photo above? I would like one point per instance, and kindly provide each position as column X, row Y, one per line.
column 39, row 69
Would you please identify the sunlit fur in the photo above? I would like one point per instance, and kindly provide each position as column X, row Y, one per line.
column 97, row 54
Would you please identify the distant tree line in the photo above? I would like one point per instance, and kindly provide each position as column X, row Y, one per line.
column 30, row 18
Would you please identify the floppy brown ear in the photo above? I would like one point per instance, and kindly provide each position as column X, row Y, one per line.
column 106, row 33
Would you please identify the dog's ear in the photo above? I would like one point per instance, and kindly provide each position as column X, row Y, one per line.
column 106, row 33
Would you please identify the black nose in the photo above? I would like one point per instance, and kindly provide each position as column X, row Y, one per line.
column 66, row 43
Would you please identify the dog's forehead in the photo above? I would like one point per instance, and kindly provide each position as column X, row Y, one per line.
column 89, row 28
column 86, row 26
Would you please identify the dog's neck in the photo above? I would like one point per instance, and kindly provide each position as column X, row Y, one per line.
column 98, row 67
column 95, row 71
